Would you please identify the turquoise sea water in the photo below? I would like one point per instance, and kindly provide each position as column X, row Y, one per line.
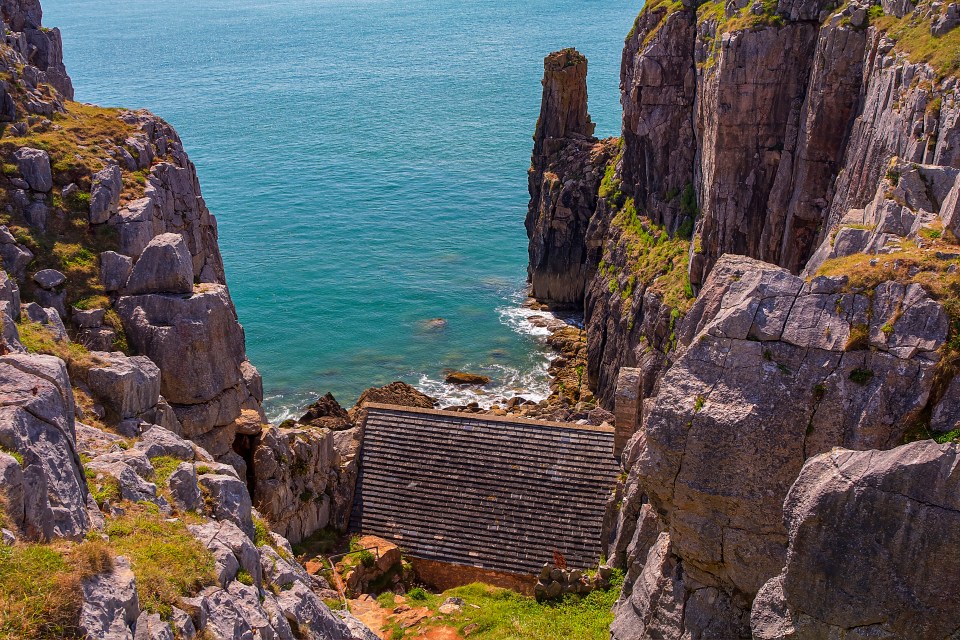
column 366, row 161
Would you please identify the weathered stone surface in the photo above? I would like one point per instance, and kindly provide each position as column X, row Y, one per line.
column 184, row 490
column 327, row 413
column 224, row 539
column 37, row 422
column 658, row 87
column 158, row 441
column 114, row 270
column 127, row 386
column 763, row 382
column 873, row 538
column 229, row 500
column 744, row 120
column 133, row 486
column 165, row 266
column 105, row 194
column 294, row 471
column 150, row 626
column 34, row 166
column 398, row 393
column 196, row 342
column 110, row 603
column 14, row 257
column 49, row 278
column 10, row 293
column 309, row 616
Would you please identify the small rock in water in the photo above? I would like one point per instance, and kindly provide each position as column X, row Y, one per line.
column 460, row 377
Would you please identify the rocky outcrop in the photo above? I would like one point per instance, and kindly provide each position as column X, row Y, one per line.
column 565, row 173
column 871, row 547
column 44, row 483
column 767, row 376
column 198, row 345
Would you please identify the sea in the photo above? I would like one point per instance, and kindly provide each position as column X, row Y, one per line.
column 367, row 164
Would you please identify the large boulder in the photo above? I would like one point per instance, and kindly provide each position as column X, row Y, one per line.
column 873, row 548
column 229, row 500
column 105, row 194
column 164, row 266
column 196, row 341
column 771, row 371
column 127, row 386
column 34, row 166
column 110, row 604
column 37, row 426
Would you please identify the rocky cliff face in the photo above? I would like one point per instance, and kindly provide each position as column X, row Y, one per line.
column 809, row 152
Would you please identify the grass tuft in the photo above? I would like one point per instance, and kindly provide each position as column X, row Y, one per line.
column 168, row 561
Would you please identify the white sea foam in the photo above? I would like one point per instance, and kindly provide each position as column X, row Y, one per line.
column 507, row 382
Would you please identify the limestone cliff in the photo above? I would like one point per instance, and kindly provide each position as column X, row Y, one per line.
column 809, row 153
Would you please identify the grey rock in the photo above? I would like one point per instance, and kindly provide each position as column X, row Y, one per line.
column 110, row 603
column 36, row 214
column 197, row 342
column 37, row 421
column 158, row 441
column 165, row 266
column 946, row 414
column 182, row 623
column 49, row 278
column 11, row 478
column 761, row 354
column 846, row 513
column 184, row 489
column 150, row 626
column 105, row 194
column 309, row 616
column 225, row 619
column 358, row 630
column 126, row 385
column 230, row 500
column 140, row 464
column 13, row 256
column 56, row 300
column 114, row 270
column 132, row 485
column 88, row 319
column 34, row 166
column 10, row 293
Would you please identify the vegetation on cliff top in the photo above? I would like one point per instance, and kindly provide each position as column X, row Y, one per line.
column 932, row 262
column 912, row 36
column 77, row 142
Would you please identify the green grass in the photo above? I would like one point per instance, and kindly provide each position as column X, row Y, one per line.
column 417, row 593
column 16, row 455
column 40, row 594
column 913, row 37
column 950, row 436
column 505, row 614
column 168, row 562
column 38, row 339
